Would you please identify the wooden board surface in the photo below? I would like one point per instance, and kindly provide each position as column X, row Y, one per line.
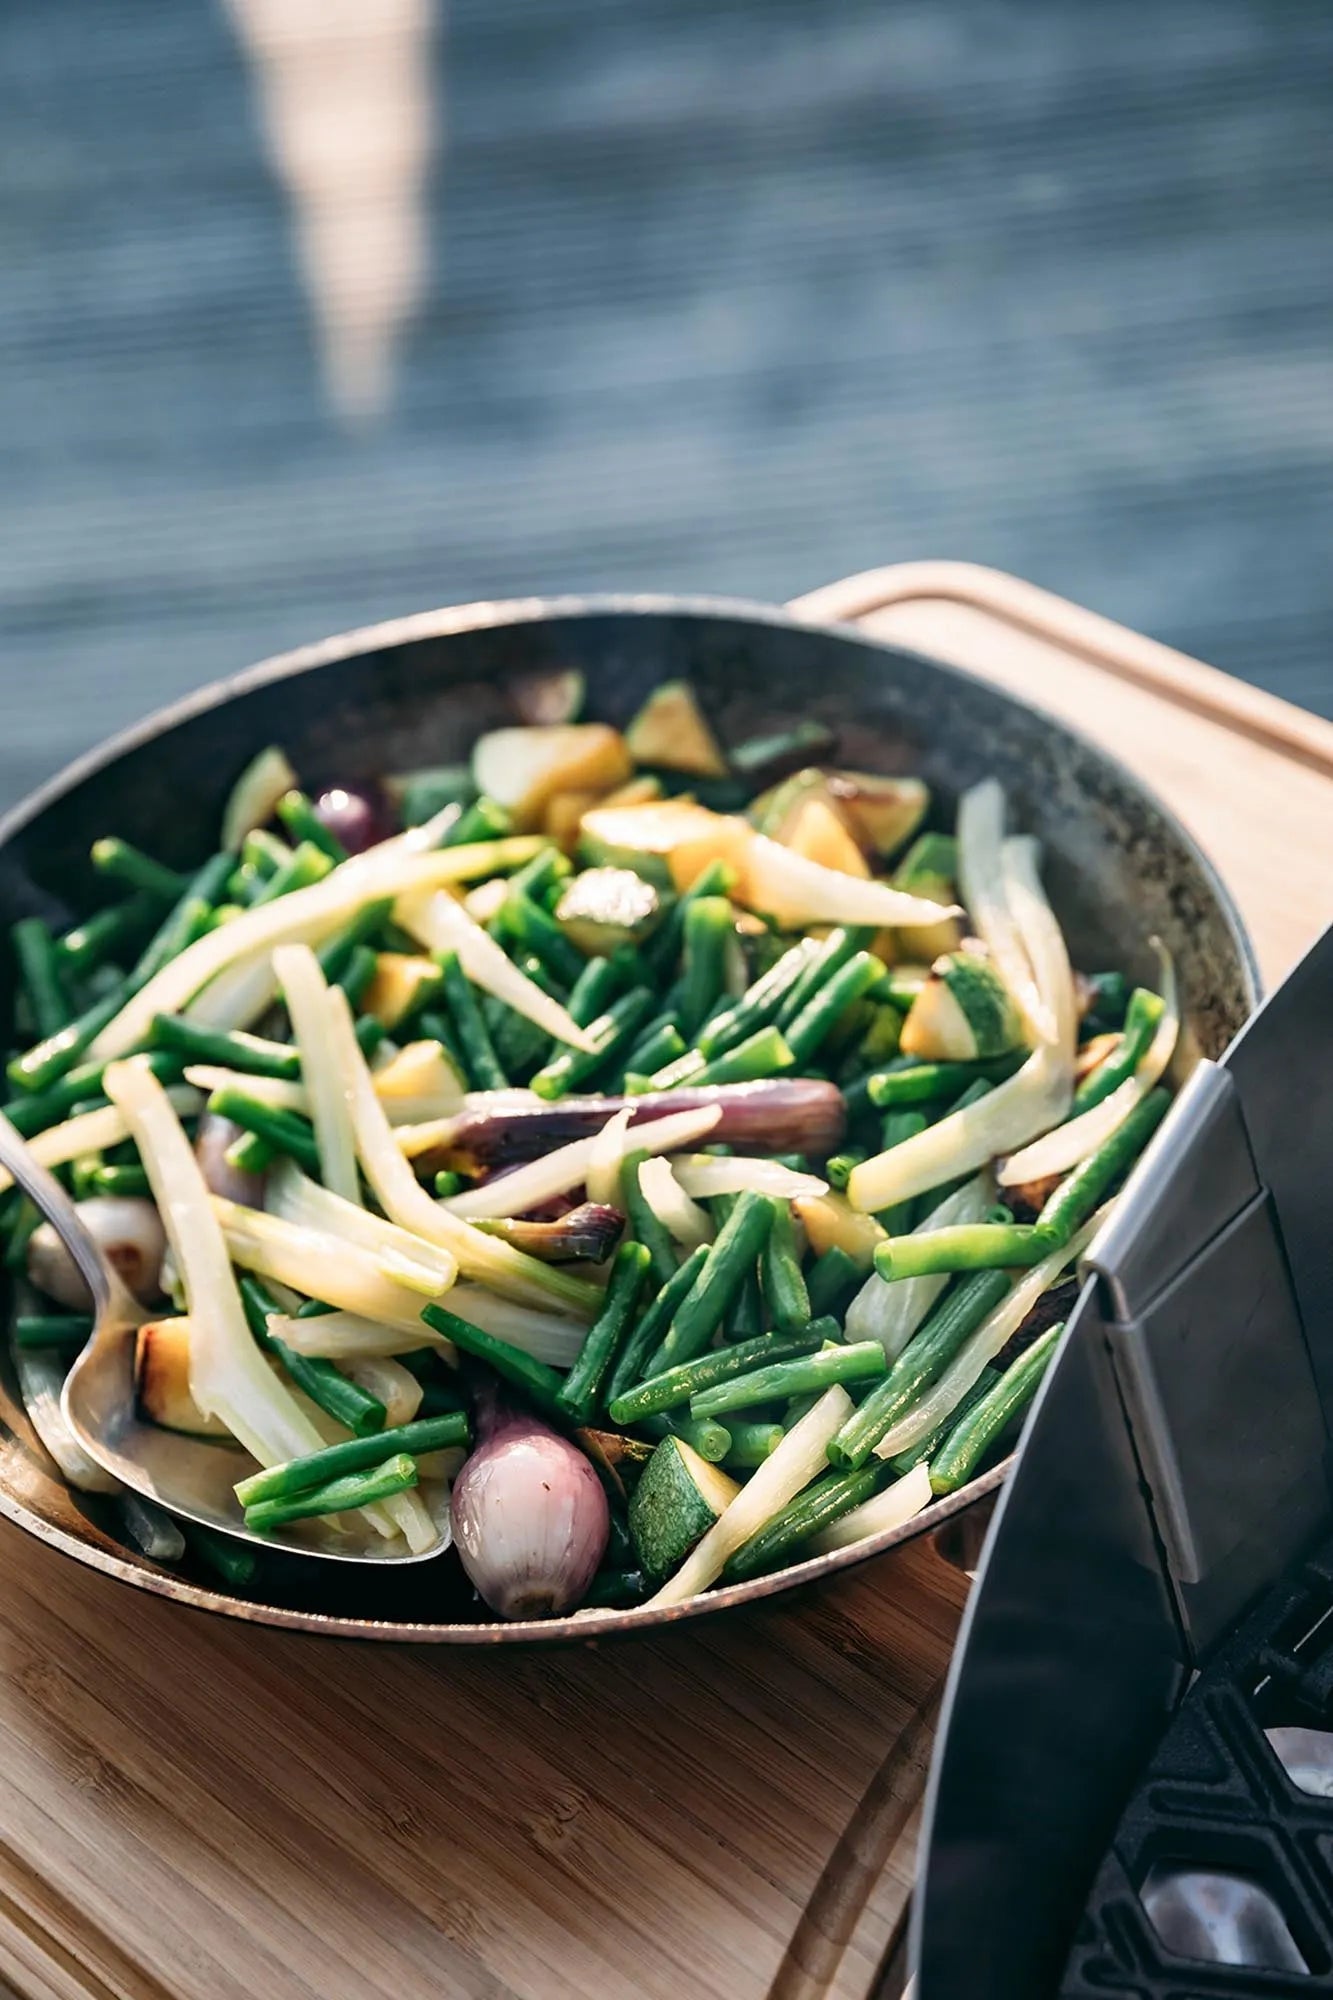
column 196, row 1810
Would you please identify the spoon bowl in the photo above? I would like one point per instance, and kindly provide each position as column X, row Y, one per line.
column 190, row 1477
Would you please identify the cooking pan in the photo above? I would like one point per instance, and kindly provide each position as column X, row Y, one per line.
column 417, row 691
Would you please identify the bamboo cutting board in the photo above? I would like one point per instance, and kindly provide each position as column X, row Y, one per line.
column 198, row 1810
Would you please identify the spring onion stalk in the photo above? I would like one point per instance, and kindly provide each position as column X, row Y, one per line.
column 606, row 1155
column 981, row 884
column 1072, row 1142
column 994, row 1333
column 95, row 1131
column 891, row 1312
column 542, row 1180
column 321, row 1266
column 347, row 1337
column 1042, row 939
column 341, row 1336
column 797, row 1460
column 689, row 1224
column 305, row 992
column 704, row 1176
column 253, row 799
column 892, row 1508
column 278, row 1095
column 797, row 892
column 303, row 917
column 229, row 1377
column 293, row 1197
column 406, row 1202
column 441, row 924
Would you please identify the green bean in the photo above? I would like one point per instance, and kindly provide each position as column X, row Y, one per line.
column 64, row 1330
column 616, row 1590
column 957, row 1315
column 286, row 1131
column 82, row 1175
column 1079, row 1193
column 336, row 1496
column 524, row 922
column 612, row 1031
column 808, row 1031
column 735, row 1252
column 128, row 864
column 28, row 1219
column 860, row 1361
column 663, row 948
column 759, row 1003
column 661, row 1045
column 813, row 1509
column 369, row 1034
column 336, row 952
column 478, row 1052
column 964, row 1246
column 87, row 946
column 907, row 1081
column 711, row 1440
column 751, row 1444
column 128, row 1182
column 1108, row 998
column 841, row 944
column 707, row 932
column 1141, row 1022
column 335, row 1461
column 976, row 1431
column 308, row 864
column 804, row 743
column 644, row 1340
column 243, row 886
column 675, row 1075
column 482, row 820
column 897, row 1127
column 595, row 988
column 579, row 1397
column 645, row 1224
column 48, row 1059
column 547, row 868
column 838, row 1168
column 264, row 851
column 231, row 1560
column 765, row 1053
column 834, row 1280
column 38, row 962
column 906, row 1461
column 675, row 1386
column 326, row 1385
column 254, row 1055
column 542, row 1385
column 422, row 794
column 304, row 824
column 784, row 1285
column 435, row 1028
column 448, row 1183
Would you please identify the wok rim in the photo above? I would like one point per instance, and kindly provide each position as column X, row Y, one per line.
column 585, row 1628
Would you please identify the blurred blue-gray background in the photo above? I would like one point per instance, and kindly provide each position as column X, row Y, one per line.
column 315, row 311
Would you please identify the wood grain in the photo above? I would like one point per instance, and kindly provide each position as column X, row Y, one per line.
column 197, row 1810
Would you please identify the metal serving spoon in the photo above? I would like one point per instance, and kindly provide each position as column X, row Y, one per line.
column 191, row 1477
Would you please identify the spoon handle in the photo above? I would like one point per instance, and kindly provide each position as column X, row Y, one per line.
column 45, row 1191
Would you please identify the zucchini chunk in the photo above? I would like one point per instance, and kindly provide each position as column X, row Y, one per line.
column 671, row 732
column 883, row 812
column 675, row 1503
column 522, row 768
column 930, row 868
column 963, row 1013
column 821, row 834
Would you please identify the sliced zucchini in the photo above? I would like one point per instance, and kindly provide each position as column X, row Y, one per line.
column 162, row 1380
column 677, row 1500
column 820, row 834
column 605, row 908
column 402, row 980
column 831, row 1223
column 963, row 1012
column 882, row 812
column 670, row 841
column 929, row 868
column 775, row 810
column 670, row 730
column 522, row 768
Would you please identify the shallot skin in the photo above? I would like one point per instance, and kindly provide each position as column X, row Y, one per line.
column 530, row 1519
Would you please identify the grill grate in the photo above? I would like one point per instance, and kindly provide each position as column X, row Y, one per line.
column 1231, row 1803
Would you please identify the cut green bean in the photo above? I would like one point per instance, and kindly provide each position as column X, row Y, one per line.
column 254, row 1055
column 542, row 1385
column 125, row 1182
column 315, row 1471
column 264, row 851
column 67, row 1331
column 784, row 1287
column 86, row 947
column 838, row 1169
column 859, row 1361
column 965, row 1246
column 647, row 1335
column 957, row 1316
column 906, row 1461
column 48, row 1059
column 481, row 821
column 765, row 1053
column 1079, row 1193
column 674, row 1387
column 307, row 865
column 897, row 1127
column 524, row 922
column 336, row 952
column 708, row 929
column 1108, row 1000
column 137, row 870
column 1142, row 1018
column 547, row 868
column 303, row 823
column 336, row 1496
column 810, row 1029
column 751, row 1443
column 38, row 961
column 662, row 950
column 813, row 1509
column 478, row 1052
column 326, row 1386
column 735, row 1252
column 909, row 1082
column 661, row 1045
column 834, row 1280
column 804, row 743
column 285, row 1131
column 231, row 1560
column 612, row 1031
column 759, row 1003
column 974, row 1433
column 579, row 1398
column 448, row 1183
column 600, row 981
column 28, row 1219
column 644, row 1223
column 842, row 943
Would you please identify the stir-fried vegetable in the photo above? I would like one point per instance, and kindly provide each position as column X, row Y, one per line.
column 678, row 1122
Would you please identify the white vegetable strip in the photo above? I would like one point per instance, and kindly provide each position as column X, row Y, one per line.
column 567, row 1167
column 342, row 1336
column 796, row 891
column 981, row 886
column 289, row 1096
column 349, row 1336
column 1011, row 1114
column 1042, row 938
column 319, row 1266
column 94, row 1131
column 802, row 1453
column 891, row 1310
column 703, row 1175
column 305, row 991
column 255, row 794
column 395, row 1386
column 893, row 1507
column 296, row 1199
column 405, row 1201
column 995, row 1332
column 229, row 1377
column 605, row 1154
column 547, row 1336
column 485, row 901
column 305, row 916
column 444, row 925
column 1074, row 1141
column 689, row 1224
column 239, row 995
